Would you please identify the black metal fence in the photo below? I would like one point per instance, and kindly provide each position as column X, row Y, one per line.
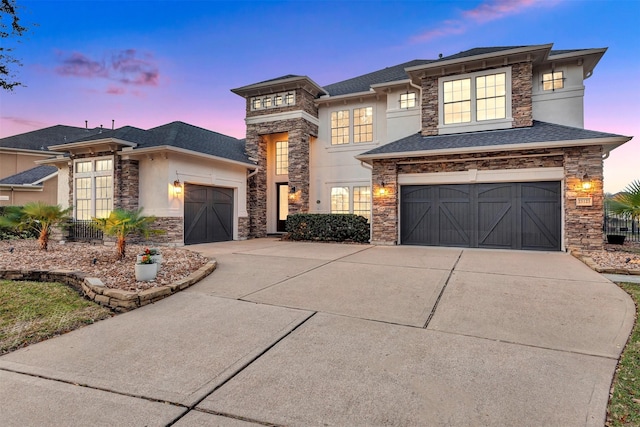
column 621, row 226
column 83, row 231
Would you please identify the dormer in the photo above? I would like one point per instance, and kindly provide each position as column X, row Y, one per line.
column 479, row 89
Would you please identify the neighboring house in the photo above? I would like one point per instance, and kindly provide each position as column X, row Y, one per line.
column 21, row 179
column 485, row 148
column 192, row 179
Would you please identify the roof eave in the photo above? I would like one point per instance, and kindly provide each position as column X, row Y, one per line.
column 141, row 152
column 28, row 187
column 286, row 84
column 109, row 142
column 344, row 97
column 481, row 57
column 610, row 142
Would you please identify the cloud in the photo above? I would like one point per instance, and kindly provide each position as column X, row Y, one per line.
column 127, row 67
column 487, row 11
column 21, row 121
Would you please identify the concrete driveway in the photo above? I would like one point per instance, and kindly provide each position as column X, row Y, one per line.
column 287, row 333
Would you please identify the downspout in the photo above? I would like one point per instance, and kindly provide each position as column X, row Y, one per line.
column 255, row 171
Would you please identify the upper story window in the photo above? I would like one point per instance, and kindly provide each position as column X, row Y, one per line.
column 273, row 101
column 476, row 101
column 340, row 127
column 93, row 187
column 363, row 124
column 282, row 157
column 552, row 81
column 357, row 122
column 407, row 100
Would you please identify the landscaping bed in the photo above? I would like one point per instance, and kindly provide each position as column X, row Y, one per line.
column 615, row 259
column 99, row 261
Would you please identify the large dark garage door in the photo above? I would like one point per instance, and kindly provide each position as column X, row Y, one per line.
column 208, row 214
column 506, row 215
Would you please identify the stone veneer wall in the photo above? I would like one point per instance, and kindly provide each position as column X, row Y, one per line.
column 299, row 132
column 243, row 228
column 521, row 98
column 582, row 225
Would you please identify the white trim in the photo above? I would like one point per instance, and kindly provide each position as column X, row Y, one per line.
column 46, row 178
column 483, row 176
column 91, row 144
column 139, row 152
column 288, row 115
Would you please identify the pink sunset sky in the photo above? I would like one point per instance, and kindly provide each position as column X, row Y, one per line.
column 147, row 63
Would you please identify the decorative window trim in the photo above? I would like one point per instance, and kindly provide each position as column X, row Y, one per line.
column 474, row 124
column 274, row 100
column 93, row 174
column 339, row 133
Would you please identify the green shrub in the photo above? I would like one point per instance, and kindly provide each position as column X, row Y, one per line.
column 12, row 233
column 328, row 227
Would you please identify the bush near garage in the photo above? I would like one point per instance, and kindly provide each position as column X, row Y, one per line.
column 328, row 227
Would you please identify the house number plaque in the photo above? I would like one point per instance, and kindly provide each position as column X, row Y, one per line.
column 584, row 201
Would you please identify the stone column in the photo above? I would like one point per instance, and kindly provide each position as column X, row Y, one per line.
column 384, row 221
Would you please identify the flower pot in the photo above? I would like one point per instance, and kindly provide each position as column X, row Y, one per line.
column 615, row 239
column 146, row 272
column 157, row 260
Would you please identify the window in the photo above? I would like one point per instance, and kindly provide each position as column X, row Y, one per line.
column 340, row 127
column 282, row 157
column 478, row 101
column 93, row 188
column 407, row 100
column 457, row 101
column 362, row 201
column 273, row 101
column 340, row 200
column 490, row 97
column 363, row 124
column 553, row 80
column 289, row 99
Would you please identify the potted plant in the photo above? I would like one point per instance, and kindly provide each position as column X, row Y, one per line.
column 155, row 255
column 146, row 270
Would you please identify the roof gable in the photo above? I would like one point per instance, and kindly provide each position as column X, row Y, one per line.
column 30, row 176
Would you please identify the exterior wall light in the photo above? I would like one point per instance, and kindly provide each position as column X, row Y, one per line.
column 177, row 186
column 382, row 190
column 586, row 182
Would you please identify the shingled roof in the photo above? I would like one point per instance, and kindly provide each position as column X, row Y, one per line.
column 31, row 176
column 180, row 135
column 364, row 82
column 540, row 132
column 42, row 138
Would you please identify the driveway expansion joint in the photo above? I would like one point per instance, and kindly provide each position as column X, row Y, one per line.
column 446, row 282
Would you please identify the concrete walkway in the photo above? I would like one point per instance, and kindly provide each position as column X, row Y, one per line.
column 287, row 333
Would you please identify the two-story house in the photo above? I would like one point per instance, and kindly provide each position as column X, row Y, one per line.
column 485, row 148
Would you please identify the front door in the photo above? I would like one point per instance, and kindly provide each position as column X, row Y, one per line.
column 283, row 206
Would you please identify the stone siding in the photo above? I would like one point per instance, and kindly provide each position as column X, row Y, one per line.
column 243, row 228
column 522, row 94
column 299, row 132
column 582, row 225
column 430, row 106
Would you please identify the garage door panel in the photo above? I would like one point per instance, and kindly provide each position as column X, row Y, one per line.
column 208, row 214
column 498, row 215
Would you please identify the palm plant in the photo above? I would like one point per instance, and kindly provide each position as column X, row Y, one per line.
column 627, row 202
column 121, row 223
column 37, row 216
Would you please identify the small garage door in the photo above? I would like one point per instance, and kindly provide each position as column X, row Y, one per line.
column 208, row 214
column 505, row 215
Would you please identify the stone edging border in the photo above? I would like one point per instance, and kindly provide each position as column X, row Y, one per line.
column 592, row 264
column 116, row 299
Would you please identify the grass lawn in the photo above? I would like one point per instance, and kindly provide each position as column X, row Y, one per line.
column 34, row 311
column 624, row 404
